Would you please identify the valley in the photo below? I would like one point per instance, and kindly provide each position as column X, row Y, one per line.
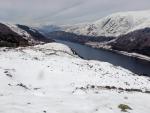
column 124, row 31
column 96, row 67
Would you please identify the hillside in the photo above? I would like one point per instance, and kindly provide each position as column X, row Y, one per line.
column 113, row 25
column 10, row 38
column 14, row 36
column 137, row 41
column 35, row 34
column 53, row 79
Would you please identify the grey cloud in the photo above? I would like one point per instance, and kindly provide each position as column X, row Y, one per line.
column 64, row 11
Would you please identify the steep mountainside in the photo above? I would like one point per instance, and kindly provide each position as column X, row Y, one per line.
column 10, row 38
column 136, row 41
column 113, row 25
column 35, row 34
column 14, row 36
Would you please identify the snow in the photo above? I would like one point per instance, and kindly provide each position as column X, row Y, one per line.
column 19, row 31
column 56, row 46
column 51, row 79
column 113, row 25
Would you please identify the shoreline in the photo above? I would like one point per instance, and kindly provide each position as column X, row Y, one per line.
column 105, row 47
column 108, row 48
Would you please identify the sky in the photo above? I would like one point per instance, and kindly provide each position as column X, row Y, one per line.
column 59, row 12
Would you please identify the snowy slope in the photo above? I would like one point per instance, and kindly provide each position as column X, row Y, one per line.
column 113, row 25
column 51, row 79
column 20, row 35
column 19, row 31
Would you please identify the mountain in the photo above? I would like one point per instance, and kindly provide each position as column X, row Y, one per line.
column 19, row 35
column 137, row 41
column 113, row 25
column 35, row 34
column 9, row 38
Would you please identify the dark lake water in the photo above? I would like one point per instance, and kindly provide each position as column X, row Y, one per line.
column 132, row 64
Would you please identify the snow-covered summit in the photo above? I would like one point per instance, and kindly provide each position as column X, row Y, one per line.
column 113, row 25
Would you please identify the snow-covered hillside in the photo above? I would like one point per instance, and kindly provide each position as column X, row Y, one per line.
column 19, row 31
column 113, row 25
column 20, row 35
column 51, row 79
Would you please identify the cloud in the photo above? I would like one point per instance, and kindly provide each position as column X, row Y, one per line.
column 64, row 11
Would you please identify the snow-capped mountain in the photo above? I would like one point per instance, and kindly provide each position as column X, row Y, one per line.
column 113, row 25
column 17, row 35
column 35, row 34
column 9, row 37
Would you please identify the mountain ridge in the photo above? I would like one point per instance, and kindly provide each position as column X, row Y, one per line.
column 113, row 25
column 14, row 35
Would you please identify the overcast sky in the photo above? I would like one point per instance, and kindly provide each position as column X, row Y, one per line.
column 64, row 11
